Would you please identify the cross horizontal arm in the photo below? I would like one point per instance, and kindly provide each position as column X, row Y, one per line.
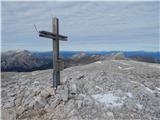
column 52, row 37
column 52, row 34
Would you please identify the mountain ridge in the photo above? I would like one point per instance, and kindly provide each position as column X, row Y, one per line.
column 23, row 60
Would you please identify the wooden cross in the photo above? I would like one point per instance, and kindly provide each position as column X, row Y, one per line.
column 54, row 35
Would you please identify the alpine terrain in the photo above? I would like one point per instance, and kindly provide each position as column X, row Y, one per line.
column 103, row 90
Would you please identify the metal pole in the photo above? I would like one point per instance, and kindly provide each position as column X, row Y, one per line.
column 56, row 72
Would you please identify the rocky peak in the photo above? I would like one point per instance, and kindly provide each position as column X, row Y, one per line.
column 118, row 56
column 79, row 55
column 112, row 89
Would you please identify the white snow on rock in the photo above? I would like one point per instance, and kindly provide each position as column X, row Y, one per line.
column 34, row 73
column 140, row 106
column 99, row 88
column 119, row 67
column 129, row 95
column 158, row 88
column 128, row 68
column 35, row 82
column 99, row 62
column 109, row 99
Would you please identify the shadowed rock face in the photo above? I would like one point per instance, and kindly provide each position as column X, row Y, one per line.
column 22, row 61
column 113, row 89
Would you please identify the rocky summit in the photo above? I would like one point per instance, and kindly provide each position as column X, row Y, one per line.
column 103, row 90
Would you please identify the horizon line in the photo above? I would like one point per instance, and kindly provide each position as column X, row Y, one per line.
column 80, row 50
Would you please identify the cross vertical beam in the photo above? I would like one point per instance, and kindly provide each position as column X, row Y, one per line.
column 55, row 37
column 56, row 64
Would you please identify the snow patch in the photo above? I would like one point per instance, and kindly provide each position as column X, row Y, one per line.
column 119, row 67
column 18, row 50
column 99, row 62
column 33, row 73
column 109, row 99
column 125, row 68
column 129, row 95
column 36, row 82
column 99, row 88
column 128, row 68
column 158, row 88
column 24, row 76
column 140, row 106
column 150, row 90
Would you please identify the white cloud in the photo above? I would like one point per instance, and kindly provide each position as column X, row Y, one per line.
column 107, row 22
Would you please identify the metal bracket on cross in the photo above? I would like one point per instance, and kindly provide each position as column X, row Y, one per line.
column 55, row 36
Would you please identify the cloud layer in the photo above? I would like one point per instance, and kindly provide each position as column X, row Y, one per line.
column 89, row 25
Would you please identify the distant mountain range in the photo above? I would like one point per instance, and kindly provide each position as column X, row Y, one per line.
column 23, row 60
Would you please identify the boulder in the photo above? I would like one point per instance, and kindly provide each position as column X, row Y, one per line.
column 72, row 90
column 63, row 92
column 44, row 93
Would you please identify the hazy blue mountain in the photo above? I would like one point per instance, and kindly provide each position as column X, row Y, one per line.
column 24, row 60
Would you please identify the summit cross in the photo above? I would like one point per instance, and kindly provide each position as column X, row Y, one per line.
column 55, row 36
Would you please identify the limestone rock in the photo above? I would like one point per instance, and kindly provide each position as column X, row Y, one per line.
column 44, row 93
column 63, row 92
column 9, row 104
column 104, row 90
column 38, row 102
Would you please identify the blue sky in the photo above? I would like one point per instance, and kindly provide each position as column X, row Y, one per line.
column 90, row 26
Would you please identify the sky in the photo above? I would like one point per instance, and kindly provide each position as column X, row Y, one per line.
column 90, row 26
